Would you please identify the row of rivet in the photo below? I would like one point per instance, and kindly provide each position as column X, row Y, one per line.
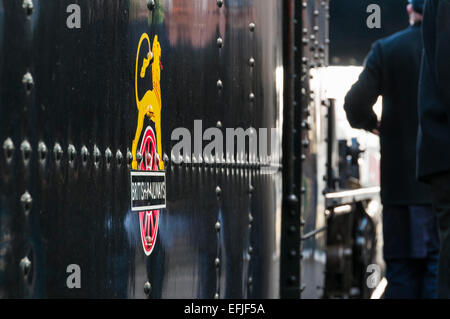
column 221, row 162
column 220, row 45
column 27, row 5
column 293, row 199
column 251, row 63
column 26, row 149
column 319, row 60
column 319, row 54
column 218, row 190
column 25, row 199
column 250, row 247
column 218, row 227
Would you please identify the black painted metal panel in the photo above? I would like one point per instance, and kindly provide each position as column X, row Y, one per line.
column 82, row 94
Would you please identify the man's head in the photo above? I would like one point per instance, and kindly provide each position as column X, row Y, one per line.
column 415, row 10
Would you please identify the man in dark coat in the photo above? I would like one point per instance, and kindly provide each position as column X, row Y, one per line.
column 410, row 232
column 433, row 151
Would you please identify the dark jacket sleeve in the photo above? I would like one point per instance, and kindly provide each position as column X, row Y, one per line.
column 364, row 93
column 442, row 54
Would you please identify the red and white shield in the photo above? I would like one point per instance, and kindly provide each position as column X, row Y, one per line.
column 148, row 220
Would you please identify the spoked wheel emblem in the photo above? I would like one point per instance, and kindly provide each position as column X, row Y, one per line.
column 148, row 220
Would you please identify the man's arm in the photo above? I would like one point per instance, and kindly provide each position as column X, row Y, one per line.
column 364, row 93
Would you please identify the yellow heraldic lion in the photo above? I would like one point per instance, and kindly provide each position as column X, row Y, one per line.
column 150, row 105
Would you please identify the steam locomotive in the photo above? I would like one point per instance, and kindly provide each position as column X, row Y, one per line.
column 98, row 199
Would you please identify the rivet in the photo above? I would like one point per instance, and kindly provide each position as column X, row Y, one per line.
column 251, row 189
column 305, row 143
column 251, row 97
column 25, row 266
column 151, row 5
column 147, row 288
column 250, row 250
column 292, row 279
column 139, row 157
column 27, row 5
column 166, row 160
column 173, row 159
column 250, row 218
column 108, row 156
column 27, row 202
column 119, row 158
column 292, row 229
column 219, row 124
column 217, row 226
column 42, row 151
column 28, row 82
column 218, row 191
column 58, row 152
column 251, row 62
column 293, row 253
column 25, row 147
column 292, row 200
column 71, row 151
column 250, row 280
column 97, row 155
column 219, row 42
column 305, row 125
column 8, row 147
column 129, row 158
column 220, row 3
column 219, row 85
column 216, row 296
column 84, row 155
column 217, row 262
column 251, row 26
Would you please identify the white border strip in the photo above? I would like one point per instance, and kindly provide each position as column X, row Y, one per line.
column 148, row 173
column 147, row 208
